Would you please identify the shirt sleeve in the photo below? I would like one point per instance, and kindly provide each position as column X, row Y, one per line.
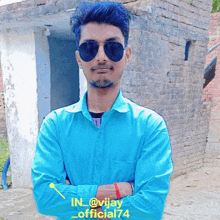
column 53, row 197
column 152, row 178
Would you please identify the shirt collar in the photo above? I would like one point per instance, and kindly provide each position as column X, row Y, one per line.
column 119, row 105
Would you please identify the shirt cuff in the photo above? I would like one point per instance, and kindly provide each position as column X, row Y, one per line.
column 85, row 194
column 132, row 185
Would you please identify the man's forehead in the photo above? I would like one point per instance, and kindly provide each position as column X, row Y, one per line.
column 101, row 32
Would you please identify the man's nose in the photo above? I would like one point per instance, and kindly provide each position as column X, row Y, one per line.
column 101, row 56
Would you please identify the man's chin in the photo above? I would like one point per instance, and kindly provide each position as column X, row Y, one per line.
column 102, row 85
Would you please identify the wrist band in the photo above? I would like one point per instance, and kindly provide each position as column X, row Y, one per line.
column 117, row 191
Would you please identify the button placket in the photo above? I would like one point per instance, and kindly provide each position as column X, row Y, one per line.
column 98, row 146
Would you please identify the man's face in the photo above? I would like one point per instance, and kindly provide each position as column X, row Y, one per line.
column 102, row 72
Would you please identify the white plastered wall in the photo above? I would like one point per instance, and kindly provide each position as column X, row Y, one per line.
column 82, row 83
column 19, row 69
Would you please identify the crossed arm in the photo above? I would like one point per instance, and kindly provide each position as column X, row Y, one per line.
column 109, row 191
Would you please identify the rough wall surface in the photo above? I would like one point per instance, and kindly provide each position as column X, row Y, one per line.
column 212, row 93
column 3, row 127
column 159, row 78
column 20, row 83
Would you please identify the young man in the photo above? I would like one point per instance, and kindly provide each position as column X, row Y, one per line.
column 108, row 147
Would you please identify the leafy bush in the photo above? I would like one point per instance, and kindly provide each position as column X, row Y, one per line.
column 4, row 152
column 215, row 6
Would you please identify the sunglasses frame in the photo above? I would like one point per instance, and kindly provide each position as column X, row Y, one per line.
column 92, row 56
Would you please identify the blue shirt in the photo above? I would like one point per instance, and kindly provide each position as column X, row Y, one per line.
column 132, row 144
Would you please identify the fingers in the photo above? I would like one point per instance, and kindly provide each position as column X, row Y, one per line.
column 67, row 182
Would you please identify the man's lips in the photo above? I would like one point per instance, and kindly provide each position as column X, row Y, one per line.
column 102, row 68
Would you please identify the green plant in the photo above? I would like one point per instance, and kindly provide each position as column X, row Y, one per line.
column 215, row 6
column 4, row 154
column 192, row 2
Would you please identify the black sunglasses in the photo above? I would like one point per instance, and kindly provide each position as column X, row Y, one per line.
column 89, row 49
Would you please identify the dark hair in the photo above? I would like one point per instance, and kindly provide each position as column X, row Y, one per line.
column 113, row 13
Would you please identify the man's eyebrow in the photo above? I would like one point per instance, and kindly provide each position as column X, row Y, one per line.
column 113, row 39
column 88, row 40
column 109, row 39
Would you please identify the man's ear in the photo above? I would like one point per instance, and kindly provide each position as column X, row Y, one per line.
column 127, row 55
column 78, row 59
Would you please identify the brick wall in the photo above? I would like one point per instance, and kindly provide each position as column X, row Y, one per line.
column 212, row 93
column 159, row 78
column 3, row 129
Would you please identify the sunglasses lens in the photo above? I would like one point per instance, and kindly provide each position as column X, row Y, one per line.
column 88, row 50
column 114, row 51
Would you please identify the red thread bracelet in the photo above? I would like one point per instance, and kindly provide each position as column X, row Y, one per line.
column 117, row 191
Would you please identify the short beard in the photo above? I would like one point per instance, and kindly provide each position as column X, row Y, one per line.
column 105, row 84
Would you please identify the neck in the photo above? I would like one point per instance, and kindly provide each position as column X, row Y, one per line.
column 101, row 100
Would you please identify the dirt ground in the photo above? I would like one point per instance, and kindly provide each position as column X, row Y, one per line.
column 194, row 196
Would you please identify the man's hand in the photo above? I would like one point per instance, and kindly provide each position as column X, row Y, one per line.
column 125, row 189
column 108, row 191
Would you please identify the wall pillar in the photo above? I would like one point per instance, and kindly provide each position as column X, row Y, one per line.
column 25, row 65
column 3, row 128
column 43, row 72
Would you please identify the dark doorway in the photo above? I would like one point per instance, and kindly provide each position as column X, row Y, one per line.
column 64, row 73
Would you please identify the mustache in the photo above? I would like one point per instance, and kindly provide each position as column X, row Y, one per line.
column 104, row 66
